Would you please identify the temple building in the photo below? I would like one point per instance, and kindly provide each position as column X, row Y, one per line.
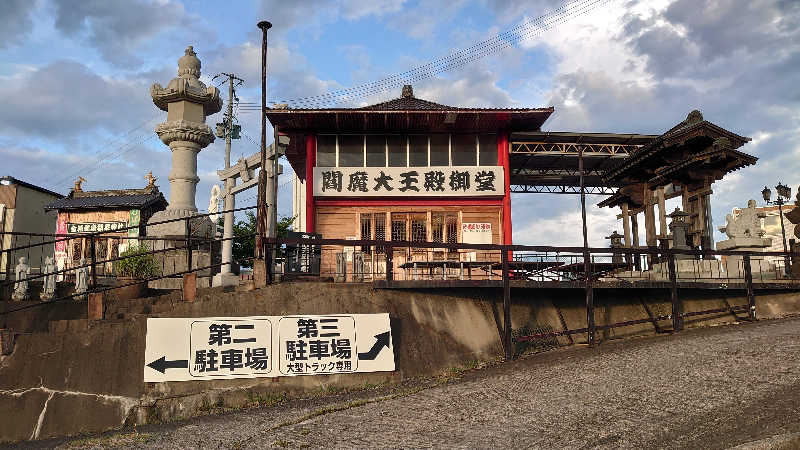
column 404, row 170
column 409, row 169
column 108, row 212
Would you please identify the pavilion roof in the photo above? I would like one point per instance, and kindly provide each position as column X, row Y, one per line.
column 690, row 137
column 693, row 152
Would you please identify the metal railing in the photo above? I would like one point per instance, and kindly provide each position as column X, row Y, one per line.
column 413, row 264
column 175, row 257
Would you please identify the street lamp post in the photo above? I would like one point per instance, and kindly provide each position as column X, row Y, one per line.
column 784, row 192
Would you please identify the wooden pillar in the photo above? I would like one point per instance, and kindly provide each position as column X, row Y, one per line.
column 649, row 219
column 700, row 224
column 662, row 213
column 635, row 232
column 626, row 224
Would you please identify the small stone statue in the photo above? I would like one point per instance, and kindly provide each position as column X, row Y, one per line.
column 81, row 280
column 21, row 275
column 78, row 183
column 49, row 289
column 151, row 180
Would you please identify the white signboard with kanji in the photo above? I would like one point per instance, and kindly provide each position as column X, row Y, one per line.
column 476, row 233
column 182, row 349
column 445, row 181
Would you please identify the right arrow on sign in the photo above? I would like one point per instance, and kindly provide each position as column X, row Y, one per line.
column 161, row 364
column 382, row 340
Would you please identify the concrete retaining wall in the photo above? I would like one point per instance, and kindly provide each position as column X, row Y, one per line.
column 88, row 376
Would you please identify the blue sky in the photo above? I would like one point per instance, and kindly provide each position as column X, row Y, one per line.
column 75, row 77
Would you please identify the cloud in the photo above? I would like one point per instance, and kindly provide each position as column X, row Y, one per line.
column 16, row 21
column 562, row 224
column 642, row 68
column 66, row 99
column 117, row 28
column 313, row 14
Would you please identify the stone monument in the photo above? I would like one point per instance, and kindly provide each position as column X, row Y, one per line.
column 81, row 281
column 745, row 234
column 49, row 288
column 187, row 102
column 21, row 272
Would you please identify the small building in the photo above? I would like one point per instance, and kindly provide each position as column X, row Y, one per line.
column 22, row 213
column 110, row 212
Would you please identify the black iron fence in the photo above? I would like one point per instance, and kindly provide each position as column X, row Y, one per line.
column 413, row 264
column 102, row 255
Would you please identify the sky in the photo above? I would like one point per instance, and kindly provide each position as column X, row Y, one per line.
column 75, row 79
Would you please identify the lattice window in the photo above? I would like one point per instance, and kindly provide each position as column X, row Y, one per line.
column 114, row 249
column 398, row 227
column 437, row 227
column 366, row 230
column 419, row 228
column 451, row 226
column 101, row 247
column 380, row 231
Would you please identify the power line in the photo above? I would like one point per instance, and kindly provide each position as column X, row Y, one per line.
column 105, row 155
column 526, row 30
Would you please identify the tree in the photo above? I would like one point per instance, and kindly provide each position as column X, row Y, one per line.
column 244, row 233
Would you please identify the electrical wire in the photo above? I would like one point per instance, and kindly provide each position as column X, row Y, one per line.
column 455, row 60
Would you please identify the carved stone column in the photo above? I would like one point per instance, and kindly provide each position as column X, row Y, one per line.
column 187, row 102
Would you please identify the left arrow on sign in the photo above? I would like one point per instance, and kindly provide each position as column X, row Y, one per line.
column 161, row 364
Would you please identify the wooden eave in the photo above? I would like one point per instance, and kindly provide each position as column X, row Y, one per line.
column 681, row 138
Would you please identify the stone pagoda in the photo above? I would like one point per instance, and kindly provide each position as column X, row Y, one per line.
column 187, row 102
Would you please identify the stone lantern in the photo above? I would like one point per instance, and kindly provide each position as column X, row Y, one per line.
column 680, row 232
column 616, row 242
column 187, row 102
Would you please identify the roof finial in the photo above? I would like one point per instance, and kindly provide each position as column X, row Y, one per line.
column 78, row 183
column 151, row 180
column 408, row 91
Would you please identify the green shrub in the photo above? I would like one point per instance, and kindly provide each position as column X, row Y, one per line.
column 137, row 263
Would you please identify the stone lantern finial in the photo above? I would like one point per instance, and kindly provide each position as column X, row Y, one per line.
column 188, row 64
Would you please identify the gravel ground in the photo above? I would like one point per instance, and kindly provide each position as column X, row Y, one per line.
column 705, row 388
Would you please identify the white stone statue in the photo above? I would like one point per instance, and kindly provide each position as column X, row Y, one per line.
column 745, row 234
column 213, row 202
column 49, row 289
column 21, row 272
column 746, row 225
column 81, row 280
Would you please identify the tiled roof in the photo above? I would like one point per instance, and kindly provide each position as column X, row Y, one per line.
column 409, row 104
column 132, row 198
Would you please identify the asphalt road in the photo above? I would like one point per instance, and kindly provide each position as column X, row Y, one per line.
column 704, row 388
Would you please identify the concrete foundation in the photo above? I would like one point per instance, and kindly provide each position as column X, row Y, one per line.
column 87, row 376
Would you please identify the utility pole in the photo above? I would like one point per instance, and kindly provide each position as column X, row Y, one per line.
column 262, row 219
column 229, row 130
